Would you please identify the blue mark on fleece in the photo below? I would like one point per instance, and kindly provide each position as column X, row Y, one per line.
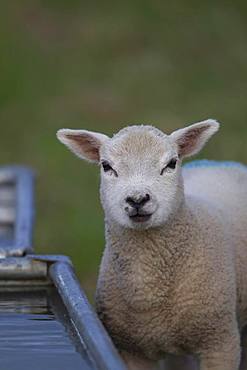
column 210, row 163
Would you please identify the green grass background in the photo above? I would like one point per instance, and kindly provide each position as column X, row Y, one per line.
column 100, row 66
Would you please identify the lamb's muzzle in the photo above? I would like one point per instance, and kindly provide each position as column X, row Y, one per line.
column 136, row 209
column 138, row 202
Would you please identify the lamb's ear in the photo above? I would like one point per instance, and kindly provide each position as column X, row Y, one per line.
column 191, row 139
column 85, row 144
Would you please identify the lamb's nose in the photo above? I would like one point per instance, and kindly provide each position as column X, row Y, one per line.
column 138, row 202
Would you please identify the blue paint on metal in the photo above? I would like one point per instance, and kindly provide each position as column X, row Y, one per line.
column 212, row 163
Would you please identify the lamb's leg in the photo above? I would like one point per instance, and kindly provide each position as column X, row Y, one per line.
column 227, row 357
column 180, row 362
column 243, row 365
column 134, row 362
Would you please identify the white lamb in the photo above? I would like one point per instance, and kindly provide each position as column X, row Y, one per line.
column 173, row 278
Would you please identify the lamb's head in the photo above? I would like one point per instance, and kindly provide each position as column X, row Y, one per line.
column 141, row 180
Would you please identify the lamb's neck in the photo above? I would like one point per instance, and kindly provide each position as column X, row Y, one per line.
column 146, row 264
column 169, row 242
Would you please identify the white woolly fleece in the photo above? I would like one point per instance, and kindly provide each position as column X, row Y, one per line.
column 174, row 278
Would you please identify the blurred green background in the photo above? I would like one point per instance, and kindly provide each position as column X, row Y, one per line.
column 101, row 66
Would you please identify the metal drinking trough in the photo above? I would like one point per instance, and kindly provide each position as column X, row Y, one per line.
column 45, row 318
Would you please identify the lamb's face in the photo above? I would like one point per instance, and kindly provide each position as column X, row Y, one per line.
column 141, row 182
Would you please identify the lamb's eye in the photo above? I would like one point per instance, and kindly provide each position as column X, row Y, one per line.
column 108, row 168
column 171, row 165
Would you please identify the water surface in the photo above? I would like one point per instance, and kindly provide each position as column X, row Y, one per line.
column 36, row 334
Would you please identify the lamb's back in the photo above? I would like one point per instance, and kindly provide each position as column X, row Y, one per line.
column 224, row 183
column 224, row 186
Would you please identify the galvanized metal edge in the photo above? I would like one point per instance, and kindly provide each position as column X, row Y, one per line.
column 23, row 179
column 84, row 318
column 25, row 209
column 24, row 268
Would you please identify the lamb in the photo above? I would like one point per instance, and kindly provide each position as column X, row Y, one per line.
column 173, row 277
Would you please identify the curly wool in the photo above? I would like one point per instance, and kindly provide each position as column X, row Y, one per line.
column 179, row 288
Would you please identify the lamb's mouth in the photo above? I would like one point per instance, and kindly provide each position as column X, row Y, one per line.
column 141, row 217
